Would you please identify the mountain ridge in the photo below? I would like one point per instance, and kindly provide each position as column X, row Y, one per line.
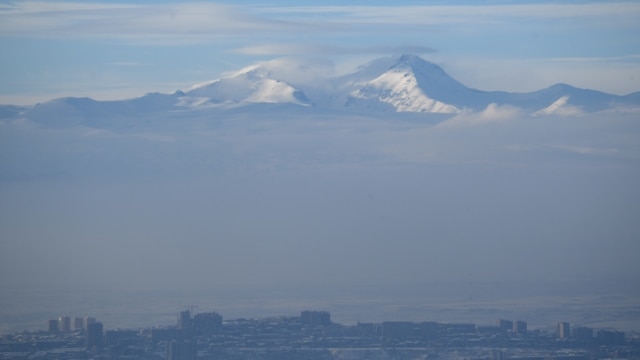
column 406, row 83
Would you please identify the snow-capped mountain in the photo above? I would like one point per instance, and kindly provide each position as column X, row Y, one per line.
column 405, row 83
column 410, row 83
column 253, row 84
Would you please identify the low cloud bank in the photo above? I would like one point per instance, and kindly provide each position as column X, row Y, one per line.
column 285, row 200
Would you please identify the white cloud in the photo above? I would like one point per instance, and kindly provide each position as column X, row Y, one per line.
column 491, row 114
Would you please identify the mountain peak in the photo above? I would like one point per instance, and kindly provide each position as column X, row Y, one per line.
column 409, row 83
column 416, row 63
column 410, row 58
column 252, row 84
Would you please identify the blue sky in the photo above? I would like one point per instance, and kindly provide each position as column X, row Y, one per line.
column 120, row 49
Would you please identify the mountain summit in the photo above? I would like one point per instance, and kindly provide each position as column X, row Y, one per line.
column 408, row 84
column 253, row 84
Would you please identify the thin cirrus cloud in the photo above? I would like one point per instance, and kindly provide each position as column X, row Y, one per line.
column 195, row 20
column 211, row 20
column 319, row 49
column 621, row 13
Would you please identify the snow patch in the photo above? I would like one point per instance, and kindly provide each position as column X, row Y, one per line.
column 193, row 101
column 560, row 107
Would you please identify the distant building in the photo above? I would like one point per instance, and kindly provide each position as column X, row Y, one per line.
column 171, row 334
column 64, row 324
column 367, row 329
column 520, row 327
column 452, row 329
column 184, row 320
column 582, row 333
column 207, row 323
column 428, row 330
column 181, row 350
column 488, row 329
column 398, row 330
column 94, row 335
column 88, row 321
column 498, row 355
column 505, row 325
column 610, row 337
column 564, row 330
column 78, row 323
column 315, row 318
column 120, row 337
column 53, row 326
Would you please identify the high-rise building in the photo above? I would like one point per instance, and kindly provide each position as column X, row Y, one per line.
column 505, row 324
column 582, row 333
column 78, row 323
column 184, row 320
column 64, row 323
column 87, row 321
column 53, row 326
column 181, row 350
column 207, row 323
column 94, row 335
column 564, row 330
column 520, row 327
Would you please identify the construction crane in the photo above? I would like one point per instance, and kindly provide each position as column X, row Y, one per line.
column 191, row 308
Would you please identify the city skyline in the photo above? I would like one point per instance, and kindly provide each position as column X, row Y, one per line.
column 312, row 333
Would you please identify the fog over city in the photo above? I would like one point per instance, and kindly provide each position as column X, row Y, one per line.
column 332, row 205
column 285, row 182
